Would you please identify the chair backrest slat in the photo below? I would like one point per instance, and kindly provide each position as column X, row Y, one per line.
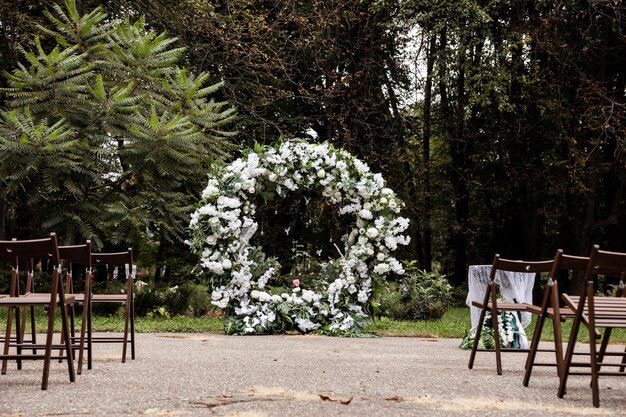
column 46, row 248
column 77, row 254
column 573, row 263
column 113, row 259
column 605, row 262
column 523, row 266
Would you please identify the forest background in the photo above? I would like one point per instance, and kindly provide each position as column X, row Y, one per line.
column 502, row 125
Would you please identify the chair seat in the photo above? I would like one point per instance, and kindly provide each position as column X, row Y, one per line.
column 33, row 299
column 606, row 309
column 109, row 298
column 507, row 306
column 564, row 312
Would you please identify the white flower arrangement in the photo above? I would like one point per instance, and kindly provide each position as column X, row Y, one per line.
column 224, row 223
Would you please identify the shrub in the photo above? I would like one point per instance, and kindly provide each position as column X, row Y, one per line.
column 419, row 295
column 199, row 300
column 147, row 300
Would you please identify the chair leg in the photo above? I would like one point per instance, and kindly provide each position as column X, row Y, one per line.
column 7, row 339
column 496, row 332
column 569, row 354
column 592, row 347
column 623, row 367
column 496, row 340
column 568, row 357
column 48, row 348
column 604, row 344
column 548, row 299
column 89, row 335
column 479, row 328
column 33, row 328
column 534, row 345
column 72, row 333
column 68, row 340
column 558, row 343
column 19, row 338
column 83, row 327
column 126, row 325
column 23, row 325
column 132, row 327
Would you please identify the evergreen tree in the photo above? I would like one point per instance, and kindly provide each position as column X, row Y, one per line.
column 105, row 137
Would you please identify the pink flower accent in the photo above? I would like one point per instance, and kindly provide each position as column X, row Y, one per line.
column 296, row 282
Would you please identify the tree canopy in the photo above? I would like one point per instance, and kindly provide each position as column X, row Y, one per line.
column 104, row 136
column 500, row 124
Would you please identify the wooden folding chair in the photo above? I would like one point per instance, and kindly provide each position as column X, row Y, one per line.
column 15, row 290
column 491, row 304
column 595, row 312
column 47, row 251
column 551, row 309
column 112, row 261
column 74, row 257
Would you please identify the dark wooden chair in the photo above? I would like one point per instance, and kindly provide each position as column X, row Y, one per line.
column 595, row 312
column 47, row 251
column 15, row 289
column 77, row 258
column 551, row 309
column 122, row 262
column 491, row 304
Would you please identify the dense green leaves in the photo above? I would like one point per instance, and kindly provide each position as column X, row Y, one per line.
column 105, row 137
column 523, row 142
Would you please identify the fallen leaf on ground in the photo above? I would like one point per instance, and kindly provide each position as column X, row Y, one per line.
column 396, row 398
column 344, row 401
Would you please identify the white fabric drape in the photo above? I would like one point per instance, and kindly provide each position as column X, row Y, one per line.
column 513, row 287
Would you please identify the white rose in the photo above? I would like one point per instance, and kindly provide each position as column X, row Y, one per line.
column 372, row 232
column 380, row 256
column 227, row 264
column 272, row 177
column 383, row 200
column 321, row 173
column 237, row 186
column 211, row 240
column 392, row 204
column 367, row 206
column 221, row 200
column 213, row 221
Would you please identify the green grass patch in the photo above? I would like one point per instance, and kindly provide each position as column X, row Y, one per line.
column 454, row 324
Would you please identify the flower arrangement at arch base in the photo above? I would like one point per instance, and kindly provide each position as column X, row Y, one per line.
column 224, row 223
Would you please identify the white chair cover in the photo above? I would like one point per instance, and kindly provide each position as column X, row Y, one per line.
column 514, row 287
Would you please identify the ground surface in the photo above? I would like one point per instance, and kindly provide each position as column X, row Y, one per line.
column 254, row 376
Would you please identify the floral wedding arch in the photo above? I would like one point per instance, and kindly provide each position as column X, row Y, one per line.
column 224, row 223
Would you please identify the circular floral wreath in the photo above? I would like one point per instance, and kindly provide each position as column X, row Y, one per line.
column 224, row 223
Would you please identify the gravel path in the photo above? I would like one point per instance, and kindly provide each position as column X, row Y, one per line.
column 254, row 376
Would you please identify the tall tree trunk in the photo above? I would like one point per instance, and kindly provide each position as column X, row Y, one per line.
column 426, row 217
